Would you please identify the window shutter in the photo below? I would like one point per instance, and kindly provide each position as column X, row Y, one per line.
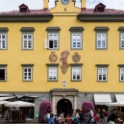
column 46, row 43
column 6, row 74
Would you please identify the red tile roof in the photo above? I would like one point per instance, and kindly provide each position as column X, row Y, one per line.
column 106, row 12
column 32, row 12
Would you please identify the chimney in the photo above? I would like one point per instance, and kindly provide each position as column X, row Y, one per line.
column 83, row 3
column 46, row 2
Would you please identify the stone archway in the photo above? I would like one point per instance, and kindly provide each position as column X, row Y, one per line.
column 69, row 94
column 64, row 106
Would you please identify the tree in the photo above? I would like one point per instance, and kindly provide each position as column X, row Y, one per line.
column 44, row 108
column 87, row 106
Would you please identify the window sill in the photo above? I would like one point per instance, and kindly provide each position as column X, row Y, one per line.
column 102, row 81
column 27, row 81
column 52, row 80
column 3, row 80
column 27, row 49
column 76, row 80
column 121, row 81
column 53, row 49
column 76, row 48
column 101, row 48
column 3, row 49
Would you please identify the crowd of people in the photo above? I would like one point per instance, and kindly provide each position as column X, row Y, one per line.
column 77, row 116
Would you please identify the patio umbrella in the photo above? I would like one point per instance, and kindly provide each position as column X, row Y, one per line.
column 19, row 104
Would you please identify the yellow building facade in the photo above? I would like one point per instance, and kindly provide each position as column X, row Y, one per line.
column 65, row 53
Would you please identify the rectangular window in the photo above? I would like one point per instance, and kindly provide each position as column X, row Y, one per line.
column 3, row 74
column 76, row 41
column 27, row 41
column 76, row 73
column 101, row 40
column 3, row 41
column 102, row 74
column 52, row 73
column 53, row 40
column 121, row 74
column 122, row 40
column 27, row 73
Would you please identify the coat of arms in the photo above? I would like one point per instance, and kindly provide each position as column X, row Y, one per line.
column 76, row 57
column 53, row 57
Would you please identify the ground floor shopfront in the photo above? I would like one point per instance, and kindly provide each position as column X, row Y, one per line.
column 64, row 100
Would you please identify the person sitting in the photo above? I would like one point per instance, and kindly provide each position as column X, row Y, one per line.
column 113, row 116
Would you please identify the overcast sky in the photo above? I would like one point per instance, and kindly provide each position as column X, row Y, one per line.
column 9, row 5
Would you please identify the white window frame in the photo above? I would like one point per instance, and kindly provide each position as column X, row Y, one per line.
column 52, row 71
column 4, row 68
column 102, row 73
column 122, row 41
column 3, row 40
column 75, row 68
column 53, row 38
column 28, row 78
column 101, row 41
column 121, row 73
column 27, row 41
column 76, row 40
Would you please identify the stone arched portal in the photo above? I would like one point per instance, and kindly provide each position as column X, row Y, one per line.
column 69, row 94
column 64, row 106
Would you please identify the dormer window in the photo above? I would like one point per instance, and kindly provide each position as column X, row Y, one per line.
column 100, row 8
column 24, row 8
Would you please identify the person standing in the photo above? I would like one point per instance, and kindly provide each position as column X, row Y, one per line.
column 105, row 116
column 113, row 116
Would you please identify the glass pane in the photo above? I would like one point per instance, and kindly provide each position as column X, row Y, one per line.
column 103, row 44
column 78, row 76
column 74, row 44
column 98, row 36
column 122, row 43
column 3, row 36
column 122, row 70
column 29, row 36
column 55, row 36
column 99, row 44
column 100, row 77
column 25, row 36
column 104, row 77
column 25, row 70
column 78, row 44
column 51, row 36
column 74, row 76
column 73, row 36
column 103, row 36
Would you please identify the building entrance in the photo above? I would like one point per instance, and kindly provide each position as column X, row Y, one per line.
column 64, row 106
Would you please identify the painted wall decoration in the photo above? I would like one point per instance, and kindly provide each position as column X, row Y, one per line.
column 53, row 57
column 65, row 65
column 76, row 57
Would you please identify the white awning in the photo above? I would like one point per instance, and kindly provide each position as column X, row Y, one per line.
column 5, row 98
column 4, row 94
column 102, row 99
column 119, row 97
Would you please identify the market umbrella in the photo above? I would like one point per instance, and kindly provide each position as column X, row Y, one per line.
column 115, row 104
column 4, row 102
column 19, row 104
